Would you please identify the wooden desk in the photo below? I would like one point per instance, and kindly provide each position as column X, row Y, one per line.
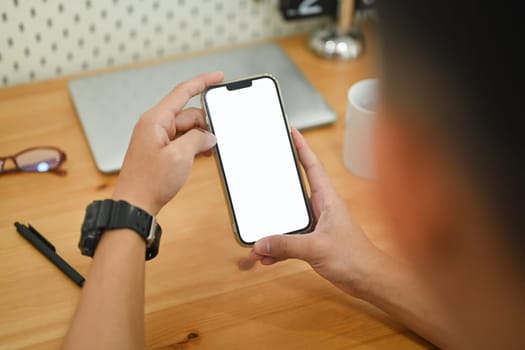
column 200, row 284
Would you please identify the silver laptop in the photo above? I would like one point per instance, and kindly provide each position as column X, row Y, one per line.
column 108, row 105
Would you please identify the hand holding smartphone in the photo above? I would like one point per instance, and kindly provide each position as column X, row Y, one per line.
column 256, row 159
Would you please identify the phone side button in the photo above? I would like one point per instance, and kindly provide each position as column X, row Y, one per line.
column 234, row 227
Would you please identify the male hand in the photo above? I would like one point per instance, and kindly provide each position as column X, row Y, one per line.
column 164, row 143
column 337, row 249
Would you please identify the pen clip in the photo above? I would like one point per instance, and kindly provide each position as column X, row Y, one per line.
column 41, row 238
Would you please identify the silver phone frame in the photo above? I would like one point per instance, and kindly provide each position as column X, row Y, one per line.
column 220, row 167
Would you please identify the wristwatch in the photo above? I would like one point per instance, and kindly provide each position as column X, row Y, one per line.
column 109, row 215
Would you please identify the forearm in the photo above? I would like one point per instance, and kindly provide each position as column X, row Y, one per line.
column 400, row 292
column 164, row 143
column 110, row 314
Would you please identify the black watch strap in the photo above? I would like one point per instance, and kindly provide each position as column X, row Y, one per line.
column 108, row 215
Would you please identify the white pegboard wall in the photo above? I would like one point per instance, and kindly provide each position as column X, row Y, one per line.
column 42, row 39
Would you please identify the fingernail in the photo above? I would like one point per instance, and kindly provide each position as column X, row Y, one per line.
column 211, row 139
column 262, row 247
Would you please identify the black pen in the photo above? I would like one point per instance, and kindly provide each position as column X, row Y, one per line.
column 48, row 250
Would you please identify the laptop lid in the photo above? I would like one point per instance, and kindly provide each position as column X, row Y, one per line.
column 108, row 105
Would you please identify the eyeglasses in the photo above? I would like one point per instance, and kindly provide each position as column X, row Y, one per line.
column 35, row 159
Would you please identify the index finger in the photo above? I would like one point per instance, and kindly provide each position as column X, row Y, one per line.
column 317, row 177
column 182, row 93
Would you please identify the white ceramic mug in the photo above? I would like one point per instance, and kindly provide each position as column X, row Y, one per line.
column 358, row 153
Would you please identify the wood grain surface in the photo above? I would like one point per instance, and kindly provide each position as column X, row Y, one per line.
column 201, row 292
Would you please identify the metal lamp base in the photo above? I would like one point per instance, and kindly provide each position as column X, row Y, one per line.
column 329, row 43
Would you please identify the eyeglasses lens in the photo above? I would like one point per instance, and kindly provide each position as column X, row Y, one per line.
column 39, row 160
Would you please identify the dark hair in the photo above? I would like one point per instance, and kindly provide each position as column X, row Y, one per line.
column 461, row 60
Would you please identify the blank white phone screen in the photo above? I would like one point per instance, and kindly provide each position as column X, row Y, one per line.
column 257, row 160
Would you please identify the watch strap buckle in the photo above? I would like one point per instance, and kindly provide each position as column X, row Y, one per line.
column 152, row 231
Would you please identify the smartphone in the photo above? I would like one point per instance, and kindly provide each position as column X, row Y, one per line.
column 256, row 159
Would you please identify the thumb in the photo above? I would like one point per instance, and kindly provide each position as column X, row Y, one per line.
column 195, row 141
column 285, row 247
